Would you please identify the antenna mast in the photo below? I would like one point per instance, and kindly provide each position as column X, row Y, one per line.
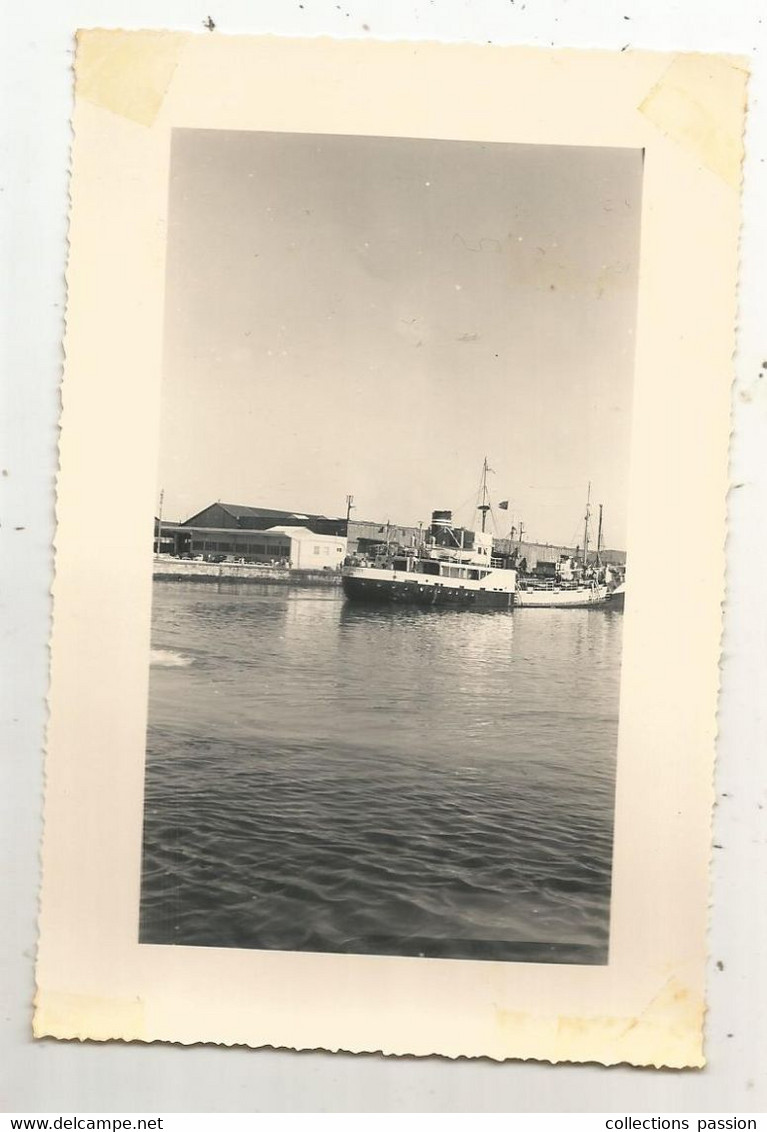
column 484, row 506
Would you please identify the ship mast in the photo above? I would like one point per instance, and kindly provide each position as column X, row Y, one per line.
column 586, row 528
column 599, row 538
column 484, row 506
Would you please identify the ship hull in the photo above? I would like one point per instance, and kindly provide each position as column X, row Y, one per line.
column 393, row 591
column 616, row 599
column 583, row 597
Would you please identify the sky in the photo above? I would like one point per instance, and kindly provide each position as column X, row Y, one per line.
column 375, row 316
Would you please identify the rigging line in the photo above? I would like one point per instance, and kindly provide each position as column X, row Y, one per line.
column 575, row 537
column 463, row 507
column 478, row 501
column 493, row 519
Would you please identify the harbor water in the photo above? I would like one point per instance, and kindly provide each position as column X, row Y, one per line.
column 329, row 777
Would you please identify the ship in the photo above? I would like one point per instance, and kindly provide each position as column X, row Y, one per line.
column 452, row 567
column 534, row 594
column 570, row 588
column 456, row 567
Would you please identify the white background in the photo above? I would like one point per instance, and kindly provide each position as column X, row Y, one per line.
column 87, row 1077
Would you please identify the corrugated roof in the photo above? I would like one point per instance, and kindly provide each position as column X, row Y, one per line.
column 302, row 532
column 245, row 532
column 240, row 511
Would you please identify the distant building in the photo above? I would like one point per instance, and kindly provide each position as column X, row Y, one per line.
column 310, row 551
column 538, row 553
column 364, row 537
column 225, row 531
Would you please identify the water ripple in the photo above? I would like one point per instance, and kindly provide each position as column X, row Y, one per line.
column 327, row 778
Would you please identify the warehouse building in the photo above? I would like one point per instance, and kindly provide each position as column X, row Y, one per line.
column 228, row 532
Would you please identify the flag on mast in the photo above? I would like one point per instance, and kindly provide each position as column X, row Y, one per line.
column 504, row 506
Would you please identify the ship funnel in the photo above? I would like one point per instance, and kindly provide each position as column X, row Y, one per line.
column 441, row 521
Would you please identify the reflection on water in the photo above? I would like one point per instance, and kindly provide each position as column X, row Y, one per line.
column 329, row 777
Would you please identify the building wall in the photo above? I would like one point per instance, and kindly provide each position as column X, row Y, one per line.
column 311, row 554
column 253, row 546
column 377, row 532
column 309, row 551
column 536, row 552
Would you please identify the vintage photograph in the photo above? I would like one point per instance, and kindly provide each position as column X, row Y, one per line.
column 389, row 546
column 375, row 722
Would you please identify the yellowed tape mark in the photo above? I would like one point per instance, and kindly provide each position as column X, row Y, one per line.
column 667, row 1033
column 700, row 103
column 62, row 1015
column 127, row 72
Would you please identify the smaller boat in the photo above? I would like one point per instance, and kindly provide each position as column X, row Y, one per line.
column 572, row 589
column 533, row 594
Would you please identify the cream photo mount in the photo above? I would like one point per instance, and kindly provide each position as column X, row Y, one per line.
column 94, row 980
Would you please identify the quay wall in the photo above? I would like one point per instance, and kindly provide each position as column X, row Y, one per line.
column 181, row 570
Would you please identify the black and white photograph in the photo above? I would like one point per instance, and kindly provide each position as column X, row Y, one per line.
column 389, row 546
column 391, row 518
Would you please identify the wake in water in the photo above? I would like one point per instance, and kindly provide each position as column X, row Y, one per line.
column 165, row 658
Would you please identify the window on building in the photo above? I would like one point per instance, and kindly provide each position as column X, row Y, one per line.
column 316, row 550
